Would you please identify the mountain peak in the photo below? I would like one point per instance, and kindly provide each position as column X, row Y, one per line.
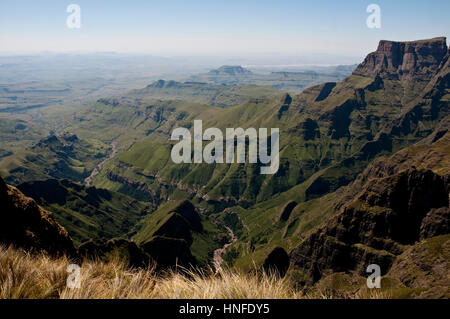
column 405, row 60
column 425, row 42
column 159, row 84
column 230, row 70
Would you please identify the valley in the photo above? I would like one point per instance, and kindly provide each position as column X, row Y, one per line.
column 98, row 168
column 363, row 172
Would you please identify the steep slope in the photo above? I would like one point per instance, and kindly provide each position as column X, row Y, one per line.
column 423, row 269
column 397, row 208
column 385, row 216
column 316, row 199
column 26, row 225
column 177, row 231
column 328, row 135
column 215, row 95
column 87, row 212
column 55, row 156
column 405, row 61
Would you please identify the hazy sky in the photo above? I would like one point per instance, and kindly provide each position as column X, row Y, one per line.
column 227, row 27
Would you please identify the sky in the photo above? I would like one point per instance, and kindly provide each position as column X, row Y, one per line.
column 217, row 28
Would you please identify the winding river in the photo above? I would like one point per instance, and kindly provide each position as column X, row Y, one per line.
column 218, row 260
column 97, row 169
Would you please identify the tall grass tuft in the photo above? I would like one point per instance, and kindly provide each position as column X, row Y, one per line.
column 25, row 275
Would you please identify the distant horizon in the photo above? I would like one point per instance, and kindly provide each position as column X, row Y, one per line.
column 247, row 61
column 267, row 60
column 208, row 28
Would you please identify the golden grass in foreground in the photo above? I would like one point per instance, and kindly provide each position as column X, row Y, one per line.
column 38, row 276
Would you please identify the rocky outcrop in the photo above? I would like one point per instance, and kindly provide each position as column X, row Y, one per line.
column 127, row 181
column 61, row 143
column 24, row 224
column 387, row 214
column 430, row 153
column 421, row 271
column 86, row 212
column 435, row 223
column 424, row 268
column 397, row 201
column 404, row 60
column 409, row 196
column 133, row 188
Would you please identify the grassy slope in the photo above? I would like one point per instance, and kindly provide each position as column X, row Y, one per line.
column 215, row 95
column 301, row 157
column 306, row 161
column 204, row 242
column 326, row 157
column 87, row 212
column 53, row 159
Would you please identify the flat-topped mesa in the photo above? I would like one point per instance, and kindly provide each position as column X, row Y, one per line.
column 162, row 84
column 405, row 60
column 230, row 70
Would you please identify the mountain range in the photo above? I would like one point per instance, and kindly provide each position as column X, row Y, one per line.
column 293, row 81
column 364, row 177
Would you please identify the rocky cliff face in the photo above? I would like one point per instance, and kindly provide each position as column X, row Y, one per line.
column 405, row 60
column 24, row 224
column 388, row 214
column 395, row 206
column 425, row 264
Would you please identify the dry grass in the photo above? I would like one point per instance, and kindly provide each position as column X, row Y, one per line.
column 23, row 275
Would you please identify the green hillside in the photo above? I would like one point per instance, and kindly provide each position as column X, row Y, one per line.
column 87, row 212
column 215, row 95
column 179, row 220
column 55, row 156
column 329, row 134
